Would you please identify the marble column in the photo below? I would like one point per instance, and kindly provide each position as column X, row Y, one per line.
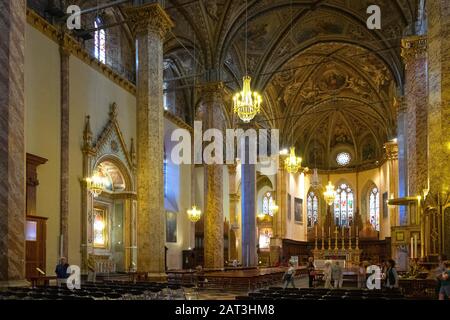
column 234, row 199
column 414, row 53
column 64, row 149
column 438, row 13
column 12, row 144
column 248, row 196
column 149, row 25
column 212, row 117
column 402, row 157
column 279, row 220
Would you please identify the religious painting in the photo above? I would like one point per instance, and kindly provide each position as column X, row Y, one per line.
column 385, row 205
column 400, row 236
column 100, row 228
column 289, row 206
column 298, row 210
column 171, row 227
column 264, row 238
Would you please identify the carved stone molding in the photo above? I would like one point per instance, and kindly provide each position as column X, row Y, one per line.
column 391, row 149
column 211, row 91
column 414, row 47
column 149, row 17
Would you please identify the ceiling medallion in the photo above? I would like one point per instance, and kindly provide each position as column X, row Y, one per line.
column 292, row 163
column 247, row 103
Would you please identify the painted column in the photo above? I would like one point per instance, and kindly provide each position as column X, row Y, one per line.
column 438, row 13
column 402, row 157
column 149, row 25
column 212, row 116
column 64, row 149
column 279, row 221
column 12, row 144
column 414, row 53
column 248, row 196
column 234, row 198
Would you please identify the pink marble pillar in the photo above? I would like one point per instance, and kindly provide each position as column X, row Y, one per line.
column 212, row 117
column 149, row 24
column 12, row 148
column 414, row 53
column 64, row 147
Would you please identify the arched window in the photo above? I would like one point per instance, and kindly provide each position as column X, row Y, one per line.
column 343, row 206
column 267, row 204
column 374, row 208
column 100, row 41
column 312, row 204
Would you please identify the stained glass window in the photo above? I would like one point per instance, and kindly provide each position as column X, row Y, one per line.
column 343, row 206
column 343, row 158
column 374, row 208
column 165, row 175
column 267, row 204
column 99, row 228
column 100, row 41
column 312, row 205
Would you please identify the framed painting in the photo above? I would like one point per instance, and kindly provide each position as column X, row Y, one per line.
column 400, row 236
column 289, row 208
column 171, row 227
column 385, row 205
column 298, row 210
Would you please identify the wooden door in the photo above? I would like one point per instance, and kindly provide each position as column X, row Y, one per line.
column 35, row 235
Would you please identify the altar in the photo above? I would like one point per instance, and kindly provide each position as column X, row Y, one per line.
column 341, row 250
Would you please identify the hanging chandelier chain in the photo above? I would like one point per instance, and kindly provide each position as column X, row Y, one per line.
column 246, row 37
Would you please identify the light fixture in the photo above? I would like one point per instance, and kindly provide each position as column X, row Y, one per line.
column 315, row 181
column 273, row 208
column 329, row 194
column 293, row 163
column 425, row 192
column 261, row 215
column 96, row 184
column 284, row 152
column 247, row 103
column 194, row 214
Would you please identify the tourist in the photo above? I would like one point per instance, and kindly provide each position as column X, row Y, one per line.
column 61, row 271
column 444, row 291
column 327, row 275
column 289, row 275
column 337, row 275
column 92, row 275
column 391, row 275
column 311, row 271
column 361, row 276
column 439, row 271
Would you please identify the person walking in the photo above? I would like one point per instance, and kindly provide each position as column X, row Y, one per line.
column 391, row 275
column 289, row 276
column 311, row 271
column 327, row 275
column 337, row 275
column 444, row 290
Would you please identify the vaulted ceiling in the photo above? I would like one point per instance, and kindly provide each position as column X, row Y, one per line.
column 328, row 81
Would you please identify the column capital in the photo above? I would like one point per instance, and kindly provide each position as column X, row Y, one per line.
column 211, row 90
column 149, row 17
column 414, row 47
column 391, row 148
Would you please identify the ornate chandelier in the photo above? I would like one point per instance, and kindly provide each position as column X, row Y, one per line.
column 273, row 208
column 247, row 103
column 293, row 163
column 315, row 181
column 330, row 194
column 96, row 184
column 194, row 214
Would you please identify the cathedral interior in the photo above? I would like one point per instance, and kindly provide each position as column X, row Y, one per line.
column 355, row 116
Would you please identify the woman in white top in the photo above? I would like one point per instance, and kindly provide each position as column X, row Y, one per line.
column 327, row 275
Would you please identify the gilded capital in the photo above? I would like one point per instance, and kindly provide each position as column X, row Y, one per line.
column 232, row 168
column 149, row 17
column 391, row 150
column 414, row 47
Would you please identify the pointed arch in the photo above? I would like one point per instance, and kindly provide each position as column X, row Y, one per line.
column 344, row 205
column 370, row 204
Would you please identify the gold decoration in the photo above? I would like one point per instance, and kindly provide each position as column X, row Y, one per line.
column 96, row 183
column 247, row 103
column 293, row 163
column 194, row 214
column 329, row 194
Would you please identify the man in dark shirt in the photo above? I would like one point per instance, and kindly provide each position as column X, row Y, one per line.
column 61, row 271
